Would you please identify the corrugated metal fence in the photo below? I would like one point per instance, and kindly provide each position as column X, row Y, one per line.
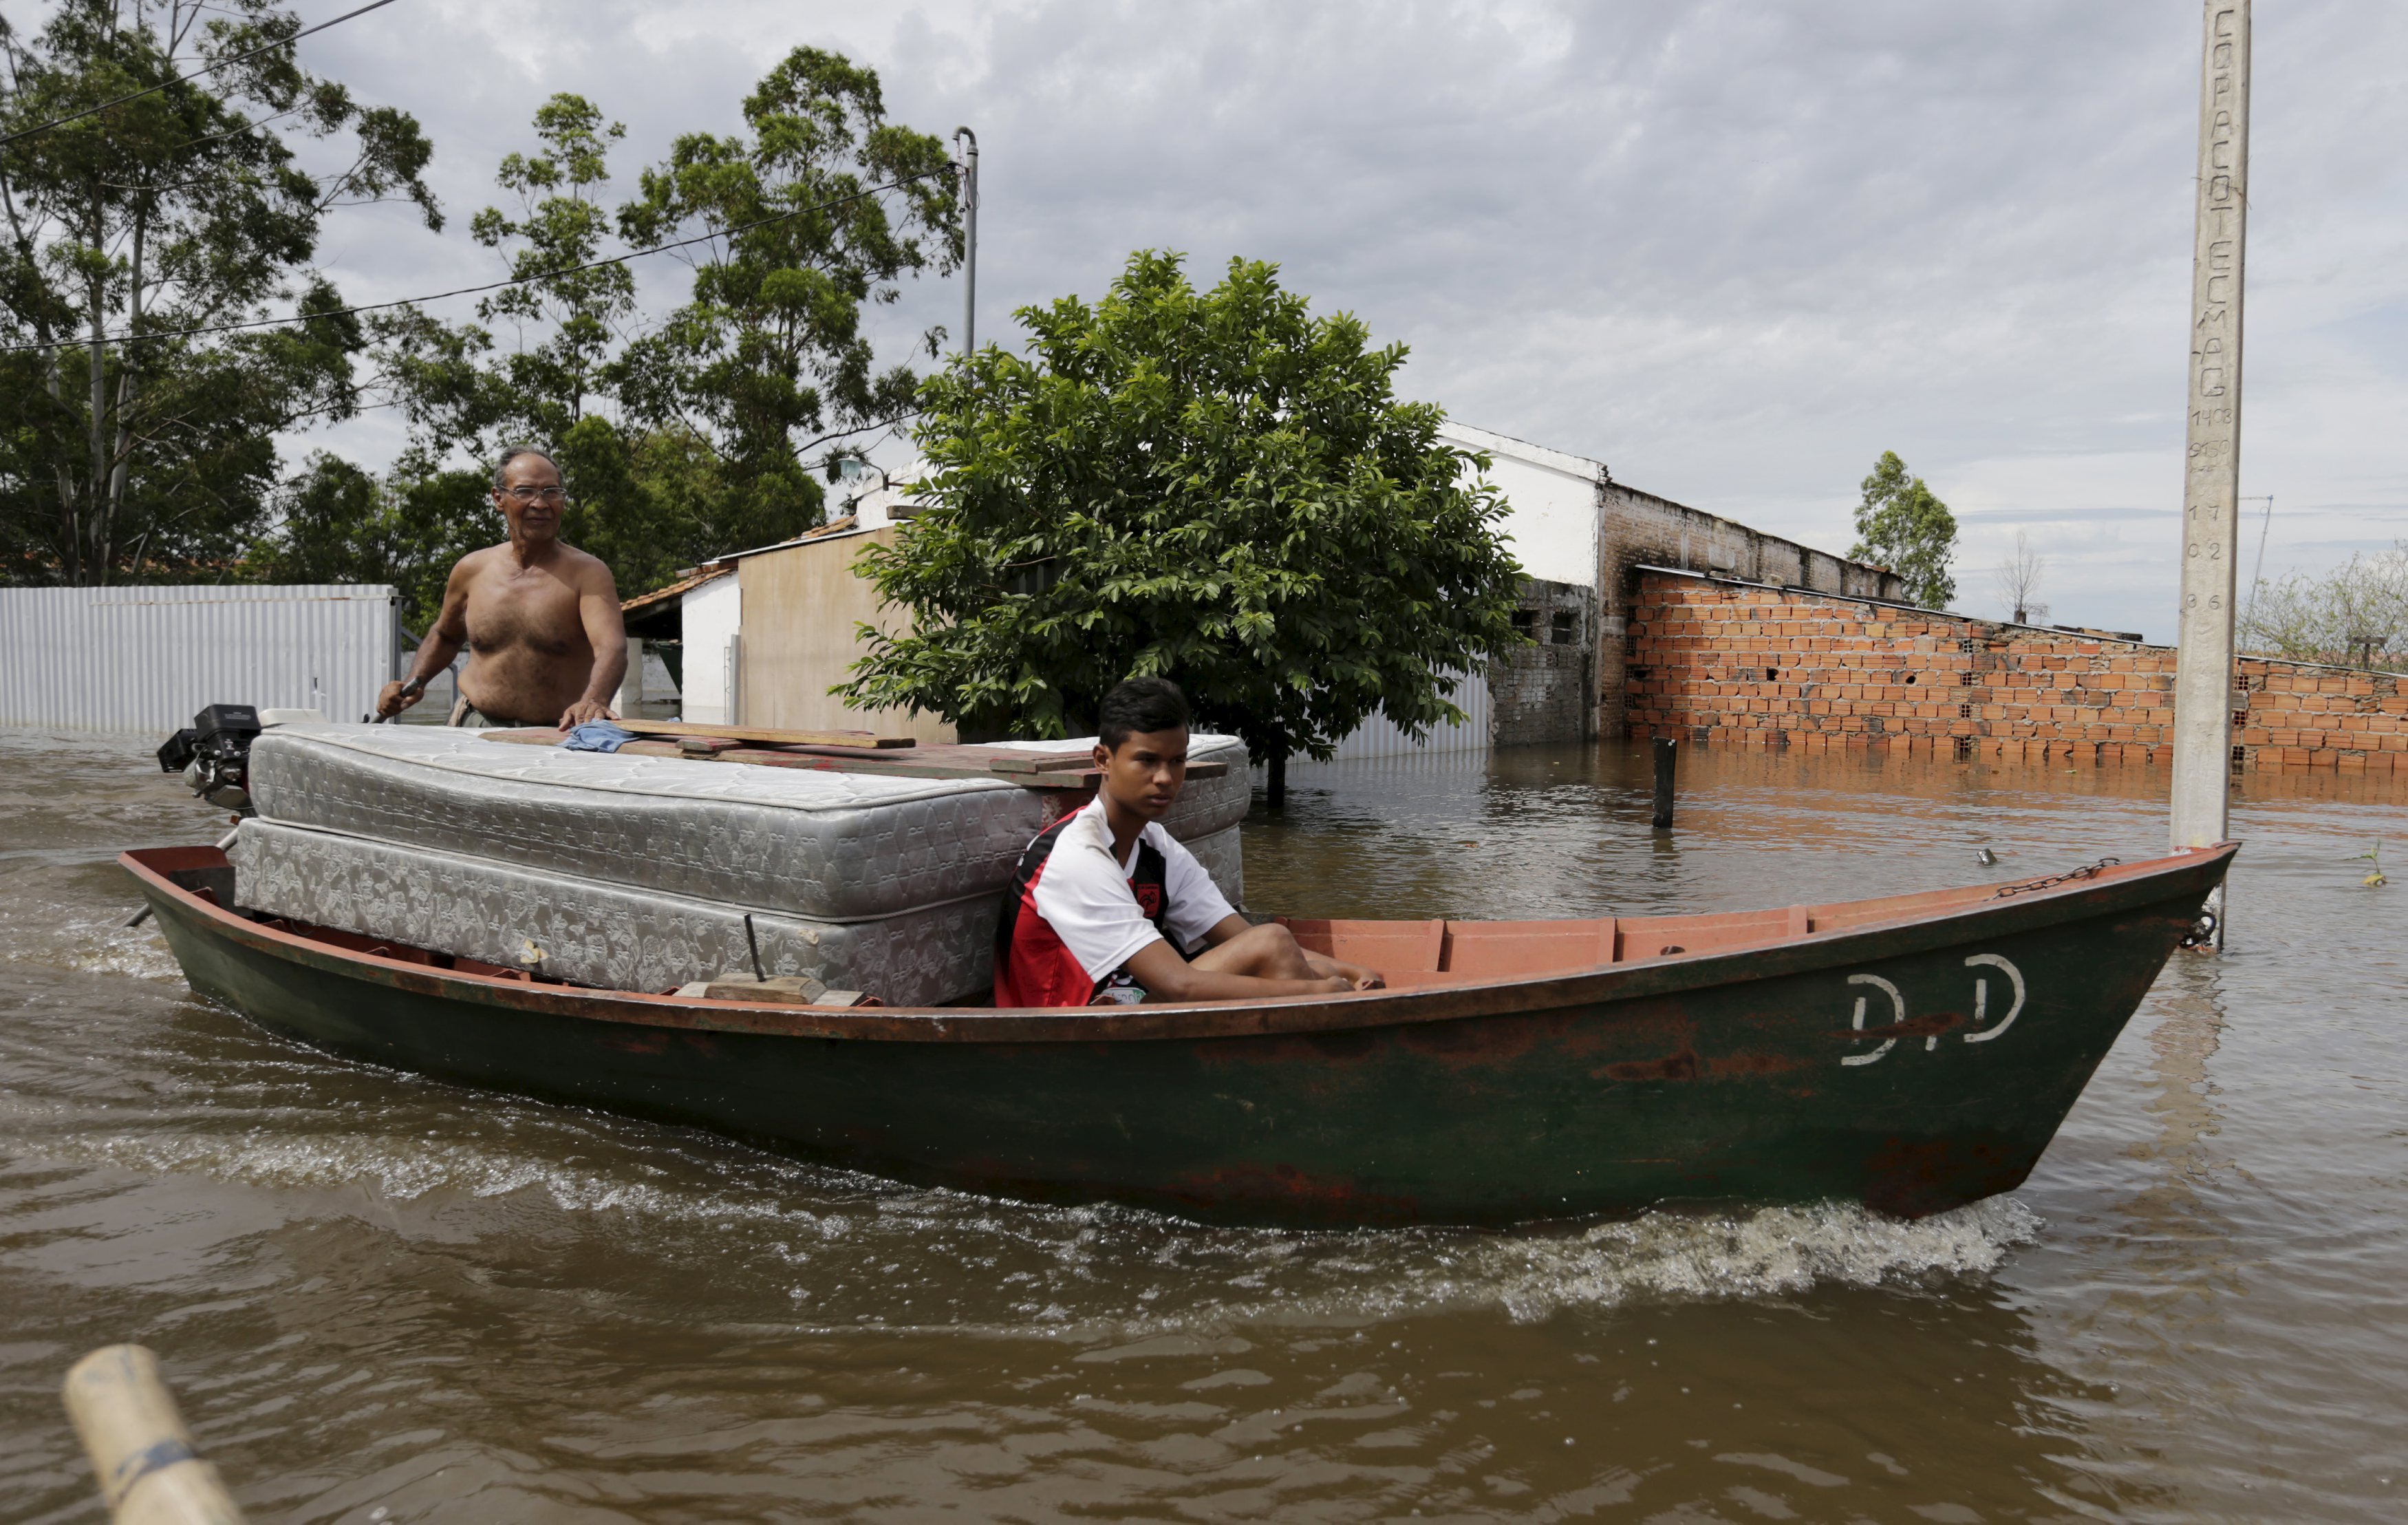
column 144, row 658
column 1379, row 737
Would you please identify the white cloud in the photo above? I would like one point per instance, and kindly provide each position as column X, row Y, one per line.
column 1734, row 249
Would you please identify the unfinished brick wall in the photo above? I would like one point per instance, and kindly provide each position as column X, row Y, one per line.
column 1732, row 663
column 1638, row 530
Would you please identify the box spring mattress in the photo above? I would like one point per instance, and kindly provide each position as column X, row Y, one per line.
column 618, row 937
column 822, row 846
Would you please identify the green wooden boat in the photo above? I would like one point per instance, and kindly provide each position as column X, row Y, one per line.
column 1913, row 1054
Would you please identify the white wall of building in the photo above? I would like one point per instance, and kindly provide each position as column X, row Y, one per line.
column 713, row 614
column 1552, row 512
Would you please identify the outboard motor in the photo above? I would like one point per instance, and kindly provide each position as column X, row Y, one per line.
column 213, row 753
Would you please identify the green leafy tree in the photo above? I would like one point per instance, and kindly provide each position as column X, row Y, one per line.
column 1902, row 524
column 768, row 353
column 693, row 437
column 339, row 523
column 154, row 456
column 1218, row 487
column 579, row 312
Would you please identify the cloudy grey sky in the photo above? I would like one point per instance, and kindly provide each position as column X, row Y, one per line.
column 1733, row 248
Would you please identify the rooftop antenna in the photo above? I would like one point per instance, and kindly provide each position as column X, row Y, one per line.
column 965, row 170
column 2259, row 575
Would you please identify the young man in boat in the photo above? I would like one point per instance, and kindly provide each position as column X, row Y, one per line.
column 1106, row 903
column 539, row 617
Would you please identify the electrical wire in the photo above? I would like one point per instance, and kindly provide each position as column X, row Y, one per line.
column 859, row 428
column 491, row 285
column 223, row 63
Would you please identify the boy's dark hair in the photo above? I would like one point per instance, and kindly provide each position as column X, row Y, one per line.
column 1137, row 707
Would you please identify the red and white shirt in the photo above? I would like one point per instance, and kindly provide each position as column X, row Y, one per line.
column 1074, row 915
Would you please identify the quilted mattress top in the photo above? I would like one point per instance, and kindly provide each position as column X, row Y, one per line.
column 467, row 753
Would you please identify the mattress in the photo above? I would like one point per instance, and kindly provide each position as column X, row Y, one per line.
column 820, row 846
column 618, row 937
column 595, row 933
column 1225, row 860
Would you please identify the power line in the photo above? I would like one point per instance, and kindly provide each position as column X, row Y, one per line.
column 491, row 285
column 859, row 428
column 223, row 63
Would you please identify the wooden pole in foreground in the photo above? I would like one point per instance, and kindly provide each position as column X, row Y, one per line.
column 140, row 1448
column 2202, row 782
column 1667, row 751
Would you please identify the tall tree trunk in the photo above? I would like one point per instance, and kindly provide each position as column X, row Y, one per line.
column 66, row 478
column 122, row 454
column 91, row 570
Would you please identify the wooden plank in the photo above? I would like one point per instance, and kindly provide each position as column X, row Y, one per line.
column 901, row 767
column 935, row 762
column 1029, row 762
column 912, row 766
column 770, row 735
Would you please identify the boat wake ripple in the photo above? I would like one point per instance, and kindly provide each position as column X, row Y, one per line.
column 819, row 1248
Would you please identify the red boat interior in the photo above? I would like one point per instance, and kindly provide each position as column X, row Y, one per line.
column 1415, row 954
column 1409, row 954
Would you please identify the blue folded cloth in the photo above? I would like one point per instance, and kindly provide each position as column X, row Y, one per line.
column 598, row 736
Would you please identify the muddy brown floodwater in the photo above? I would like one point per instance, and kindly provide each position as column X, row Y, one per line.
column 386, row 1298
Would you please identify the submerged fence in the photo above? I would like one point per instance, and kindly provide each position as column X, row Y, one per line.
column 1379, row 737
column 144, row 658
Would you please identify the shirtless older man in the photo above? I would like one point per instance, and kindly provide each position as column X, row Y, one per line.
column 540, row 619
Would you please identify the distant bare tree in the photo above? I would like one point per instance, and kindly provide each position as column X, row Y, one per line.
column 2357, row 616
column 2018, row 579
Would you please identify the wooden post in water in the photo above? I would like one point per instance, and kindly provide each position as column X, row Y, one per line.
column 2202, row 782
column 140, row 1448
column 1666, row 750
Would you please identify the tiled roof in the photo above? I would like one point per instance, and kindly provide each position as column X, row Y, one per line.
column 659, row 596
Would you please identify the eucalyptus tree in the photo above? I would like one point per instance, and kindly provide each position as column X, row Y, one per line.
column 819, row 210
column 136, row 432
column 578, row 305
column 692, row 434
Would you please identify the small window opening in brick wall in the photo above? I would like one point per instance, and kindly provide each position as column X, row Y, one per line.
column 1772, row 675
column 1526, row 622
column 1968, row 679
column 1964, row 712
column 2240, row 756
column 1964, row 749
column 1909, row 677
column 1567, row 627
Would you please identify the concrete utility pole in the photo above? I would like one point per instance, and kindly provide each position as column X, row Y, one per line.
column 2211, row 468
column 966, row 158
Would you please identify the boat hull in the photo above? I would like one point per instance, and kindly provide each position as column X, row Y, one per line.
column 1913, row 1067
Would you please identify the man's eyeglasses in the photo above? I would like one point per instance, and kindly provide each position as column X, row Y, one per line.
column 538, row 495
